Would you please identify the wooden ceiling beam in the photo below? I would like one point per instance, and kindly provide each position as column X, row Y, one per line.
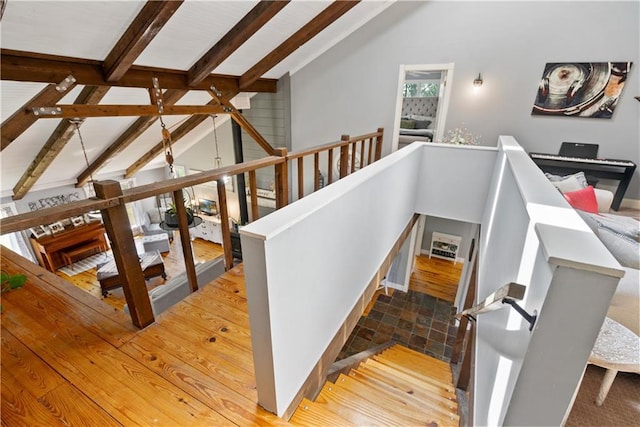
column 23, row 118
column 103, row 110
column 127, row 137
column 176, row 135
column 152, row 17
column 56, row 142
column 235, row 37
column 23, row 66
column 300, row 37
column 242, row 121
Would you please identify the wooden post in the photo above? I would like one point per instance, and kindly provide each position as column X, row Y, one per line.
column 379, row 144
column 224, row 224
column 344, row 156
column 185, row 240
column 253, row 189
column 116, row 223
column 282, row 179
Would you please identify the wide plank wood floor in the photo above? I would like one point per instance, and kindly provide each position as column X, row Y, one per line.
column 70, row 359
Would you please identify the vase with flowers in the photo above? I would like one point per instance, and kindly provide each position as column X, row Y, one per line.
column 460, row 136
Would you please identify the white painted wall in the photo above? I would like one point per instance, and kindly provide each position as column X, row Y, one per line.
column 532, row 237
column 306, row 265
column 352, row 87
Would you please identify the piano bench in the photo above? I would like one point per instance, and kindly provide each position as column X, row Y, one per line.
column 91, row 246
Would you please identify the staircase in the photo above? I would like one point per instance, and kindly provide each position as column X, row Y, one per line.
column 397, row 387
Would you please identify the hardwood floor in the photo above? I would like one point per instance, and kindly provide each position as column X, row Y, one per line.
column 173, row 264
column 436, row 277
column 69, row 359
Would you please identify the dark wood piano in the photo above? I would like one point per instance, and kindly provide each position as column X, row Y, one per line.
column 49, row 249
column 618, row 170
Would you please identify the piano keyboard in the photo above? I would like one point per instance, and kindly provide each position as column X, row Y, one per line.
column 611, row 162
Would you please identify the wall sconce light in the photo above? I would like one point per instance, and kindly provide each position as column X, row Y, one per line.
column 478, row 81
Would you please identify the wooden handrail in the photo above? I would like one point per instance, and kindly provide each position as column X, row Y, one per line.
column 494, row 301
column 337, row 144
column 46, row 216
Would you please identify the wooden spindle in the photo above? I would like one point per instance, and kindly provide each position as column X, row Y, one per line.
column 344, row 156
column 185, row 239
column 282, row 179
column 330, row 166
column 353, row 149
column 316, row 171
column 253, row 190
column 300, row 177
column 379, row 143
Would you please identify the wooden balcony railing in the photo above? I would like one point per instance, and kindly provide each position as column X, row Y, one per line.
column 111, row 201
column 354, row 153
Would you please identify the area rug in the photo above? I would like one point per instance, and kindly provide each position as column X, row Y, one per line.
column 86, row 263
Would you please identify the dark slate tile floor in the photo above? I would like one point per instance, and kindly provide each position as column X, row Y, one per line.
column 416, row 320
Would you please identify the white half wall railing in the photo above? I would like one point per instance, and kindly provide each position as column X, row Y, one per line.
column 307, row 264
column 531, row 236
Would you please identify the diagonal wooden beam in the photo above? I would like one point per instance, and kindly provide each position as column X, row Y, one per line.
column 104, row 110
column 153, row 16
column 177, row 134
column 56, row 142
column 235, row 37
column 127, row 137
column 34, row 67
column 22, row 119
column 242, row 121
column 300, row 37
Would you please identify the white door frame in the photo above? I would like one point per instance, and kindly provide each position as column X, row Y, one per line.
column 443, row 98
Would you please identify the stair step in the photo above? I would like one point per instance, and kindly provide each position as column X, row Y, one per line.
column 441, row 388
column 427, row 396
column 346, row 409
column 383, row 414
column 400, row 349
column 406, row 365
column 418, row 362
column 390, row 400
column 313, row 415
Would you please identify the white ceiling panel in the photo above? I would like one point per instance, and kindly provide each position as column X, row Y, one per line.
column 82, row 29
column 192, row 31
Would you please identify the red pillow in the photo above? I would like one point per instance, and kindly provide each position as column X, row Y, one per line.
column 584, row 199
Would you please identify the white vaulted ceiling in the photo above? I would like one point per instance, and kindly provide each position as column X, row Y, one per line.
column 90, row 29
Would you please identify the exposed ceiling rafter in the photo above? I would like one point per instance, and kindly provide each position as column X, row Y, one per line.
column 56, row 142
column 241, row 121
column 235, row 37
column 125, row 139
column 300, row 37
column 23, row 118
column 104, row 110
column 176, row 135
column 23, row 66
column 153, row 16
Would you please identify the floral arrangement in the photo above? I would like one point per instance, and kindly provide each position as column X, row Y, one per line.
column 461, row 136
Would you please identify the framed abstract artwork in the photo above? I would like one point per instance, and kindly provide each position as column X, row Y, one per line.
column 580, row 89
